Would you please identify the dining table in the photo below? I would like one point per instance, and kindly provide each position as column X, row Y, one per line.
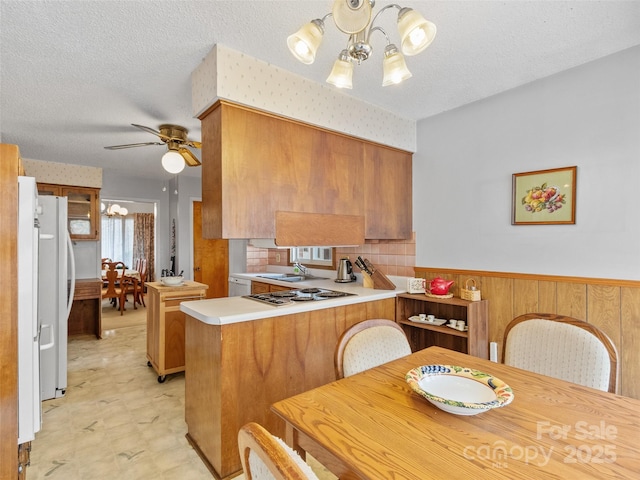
column 127, row 273
column 372, row 425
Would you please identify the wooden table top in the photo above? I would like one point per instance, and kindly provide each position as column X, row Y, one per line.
column 127, row 273
column 186, row 285
column 373, row 426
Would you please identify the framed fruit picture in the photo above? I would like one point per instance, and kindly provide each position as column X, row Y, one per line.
column 545, row 197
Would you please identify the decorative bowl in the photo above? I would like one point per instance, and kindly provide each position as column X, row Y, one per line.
column 172, row 281
column 459, row 390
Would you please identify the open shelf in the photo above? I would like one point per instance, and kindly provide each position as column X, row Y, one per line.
column 475, row 341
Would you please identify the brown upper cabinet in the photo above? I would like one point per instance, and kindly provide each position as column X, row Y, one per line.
column 256, row 164
column 83, row 209
column 387, row 201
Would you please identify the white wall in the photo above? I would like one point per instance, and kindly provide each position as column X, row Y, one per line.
column 189, row 188
column 588, row 116
column 170, row 206
column 125, row 187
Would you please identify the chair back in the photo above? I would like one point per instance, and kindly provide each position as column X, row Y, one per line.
column 113, row 279
column 368, row 344
column 110, row 290
column 141, row 268
column 562, row 347
column 265, row 457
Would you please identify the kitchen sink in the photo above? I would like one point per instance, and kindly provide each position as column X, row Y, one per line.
column 290, row 277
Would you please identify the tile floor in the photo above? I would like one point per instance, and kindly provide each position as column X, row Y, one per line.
column 116, row 421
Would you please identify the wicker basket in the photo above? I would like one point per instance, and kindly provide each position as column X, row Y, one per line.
column 470, row 292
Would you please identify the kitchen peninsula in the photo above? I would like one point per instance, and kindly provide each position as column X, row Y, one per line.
column 243, row 355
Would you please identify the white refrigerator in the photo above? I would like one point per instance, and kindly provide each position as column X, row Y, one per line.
column 29, row 409
column 56, row 284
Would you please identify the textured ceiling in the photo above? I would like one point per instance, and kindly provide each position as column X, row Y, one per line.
column 75, row 74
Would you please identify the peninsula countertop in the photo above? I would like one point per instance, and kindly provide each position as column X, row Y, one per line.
column 227, row 310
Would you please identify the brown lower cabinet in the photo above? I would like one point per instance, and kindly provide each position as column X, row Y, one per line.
column 24, row 459
column 261, row 287
column 86, row 311
column 165, row 324
column 236, row 371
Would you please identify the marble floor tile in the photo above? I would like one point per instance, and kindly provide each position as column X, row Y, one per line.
column 116, row 421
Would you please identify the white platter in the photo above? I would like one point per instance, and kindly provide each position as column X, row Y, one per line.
column 459, row 390
column 437, row 321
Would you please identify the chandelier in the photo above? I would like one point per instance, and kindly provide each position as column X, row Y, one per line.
column 113, row 209
column 353, row 17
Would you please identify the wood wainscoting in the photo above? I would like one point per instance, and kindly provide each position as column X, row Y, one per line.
column 612, row 305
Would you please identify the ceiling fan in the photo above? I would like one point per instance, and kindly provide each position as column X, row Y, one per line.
column 175, row 138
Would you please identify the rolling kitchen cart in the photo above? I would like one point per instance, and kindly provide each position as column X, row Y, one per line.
column 165, row 324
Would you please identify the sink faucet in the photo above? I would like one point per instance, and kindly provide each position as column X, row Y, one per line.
column 303, row 270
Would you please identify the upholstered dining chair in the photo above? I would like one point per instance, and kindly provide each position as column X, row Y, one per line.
column 562, row 347
column 265, row 457
column 368, row 344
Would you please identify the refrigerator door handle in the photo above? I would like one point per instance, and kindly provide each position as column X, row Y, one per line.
column 47, row 346
column 73, row 274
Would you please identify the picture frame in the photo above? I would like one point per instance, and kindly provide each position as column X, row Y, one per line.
column 544, row 197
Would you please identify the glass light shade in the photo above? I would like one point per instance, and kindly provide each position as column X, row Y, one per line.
column 305, row 42
column 123, row 211
column 113, row 209
column 341, row 75
column 416, row 33
column 173, row 162
column 394, row 67
column 102, row 206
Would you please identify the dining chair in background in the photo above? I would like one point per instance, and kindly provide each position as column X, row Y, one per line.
column 368, row 344
column 265, row 457
column 115, row 286
column 562, row 347
column 140, row 265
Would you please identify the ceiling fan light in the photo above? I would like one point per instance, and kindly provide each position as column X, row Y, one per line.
column 341, row 75
column 173, row 162
column 416, row 32
column 305, row 42
column 394, row 67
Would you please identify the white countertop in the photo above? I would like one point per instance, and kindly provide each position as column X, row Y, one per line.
column 222, row 311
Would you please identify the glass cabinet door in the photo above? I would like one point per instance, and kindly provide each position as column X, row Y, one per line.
column 83, row 209
column 82, row 206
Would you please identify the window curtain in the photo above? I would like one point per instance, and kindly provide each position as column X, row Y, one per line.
column 117, row 239
column 144, row 240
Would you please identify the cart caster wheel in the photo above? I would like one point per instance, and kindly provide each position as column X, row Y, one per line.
column 148, row 363
column 162, row 378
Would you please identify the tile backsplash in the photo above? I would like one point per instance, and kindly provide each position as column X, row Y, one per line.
column 392, row 257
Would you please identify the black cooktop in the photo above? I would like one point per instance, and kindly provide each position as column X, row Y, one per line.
column 288, row 297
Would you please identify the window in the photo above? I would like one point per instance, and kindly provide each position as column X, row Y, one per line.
column 316, row 256
column 117, row 239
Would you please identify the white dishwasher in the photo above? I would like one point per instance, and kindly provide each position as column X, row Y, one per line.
column 239, row 287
